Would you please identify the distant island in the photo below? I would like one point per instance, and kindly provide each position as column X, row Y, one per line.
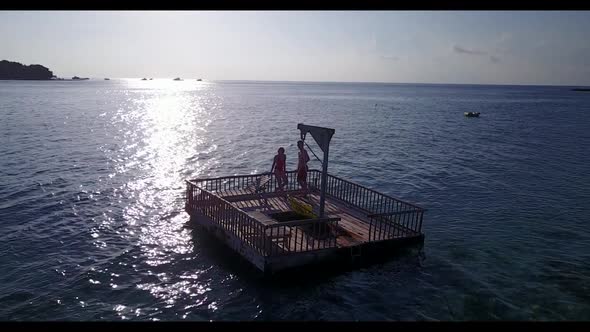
column 582, row 89
column 15, row 71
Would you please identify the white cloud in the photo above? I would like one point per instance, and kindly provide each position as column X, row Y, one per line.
column 464, row 50
column 460, row 49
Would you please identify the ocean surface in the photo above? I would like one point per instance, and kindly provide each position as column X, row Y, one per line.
column 92, row 176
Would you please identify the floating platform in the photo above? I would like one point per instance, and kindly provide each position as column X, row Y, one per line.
column 261, row 223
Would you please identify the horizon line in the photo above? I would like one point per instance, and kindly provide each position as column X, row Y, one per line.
column 348, row 82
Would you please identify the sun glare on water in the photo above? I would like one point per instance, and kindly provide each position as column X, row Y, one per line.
column 163, row 127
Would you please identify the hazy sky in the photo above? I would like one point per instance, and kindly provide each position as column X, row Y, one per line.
column 375, row 46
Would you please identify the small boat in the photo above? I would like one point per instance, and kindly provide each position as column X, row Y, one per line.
column 472, row 114
column 178, row 79
column 199, row 80
column 79, row 78
column 151, row 79
column 107, row 79
column 144, row 79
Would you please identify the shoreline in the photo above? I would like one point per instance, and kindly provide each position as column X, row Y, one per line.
column 45, row 80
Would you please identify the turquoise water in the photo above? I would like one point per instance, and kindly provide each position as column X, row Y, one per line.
column 91, row 199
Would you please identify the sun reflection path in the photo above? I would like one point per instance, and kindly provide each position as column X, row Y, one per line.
column 164, row 141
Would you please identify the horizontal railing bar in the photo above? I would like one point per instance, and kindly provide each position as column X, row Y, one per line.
column 233, row 177
column 247, row 197
column 311, row 170
column 228, row 203
column 371, row 190
column 303, row 222
column 340, row 200
column 385, row 214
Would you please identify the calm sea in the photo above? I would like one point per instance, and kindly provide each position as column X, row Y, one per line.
column 92, row 225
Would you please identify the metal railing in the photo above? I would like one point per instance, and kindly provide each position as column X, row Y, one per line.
column 227, row 216
column 388, row 217
column 268, row 240
column 241, row 182
column 303, row 235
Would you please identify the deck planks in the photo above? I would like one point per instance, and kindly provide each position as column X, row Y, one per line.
column 353, row 224
column 354, row 230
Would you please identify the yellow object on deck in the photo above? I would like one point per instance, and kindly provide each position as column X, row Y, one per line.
column 302, row 207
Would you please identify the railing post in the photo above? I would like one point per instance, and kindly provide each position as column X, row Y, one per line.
column 420, row 226
column 324, row 181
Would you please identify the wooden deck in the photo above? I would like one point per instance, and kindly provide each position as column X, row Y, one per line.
column 355, row 216
column 353, row 226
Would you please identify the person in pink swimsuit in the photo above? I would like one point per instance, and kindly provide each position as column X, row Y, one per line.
column 279, row 166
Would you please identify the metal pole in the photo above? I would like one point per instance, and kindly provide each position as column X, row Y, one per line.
column 324, row 181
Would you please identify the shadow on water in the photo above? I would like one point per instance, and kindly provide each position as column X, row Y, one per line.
column 218, row 254
column 324, row 272
column 214, row 252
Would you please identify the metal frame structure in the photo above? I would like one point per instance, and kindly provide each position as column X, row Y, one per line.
column 322, row 136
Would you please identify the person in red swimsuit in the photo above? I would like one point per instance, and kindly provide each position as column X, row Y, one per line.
column 302, row 166
column 279, row 166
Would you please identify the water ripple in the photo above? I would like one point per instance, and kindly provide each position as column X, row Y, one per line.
column 93, row 227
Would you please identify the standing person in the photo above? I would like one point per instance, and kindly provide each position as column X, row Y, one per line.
column 279, row 166
column 302, row 166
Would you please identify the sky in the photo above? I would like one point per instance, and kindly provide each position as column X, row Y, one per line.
column 473, row 47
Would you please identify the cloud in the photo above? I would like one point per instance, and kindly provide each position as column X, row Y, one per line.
column 464, row 50
column 459, row 49
column 390, row 57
